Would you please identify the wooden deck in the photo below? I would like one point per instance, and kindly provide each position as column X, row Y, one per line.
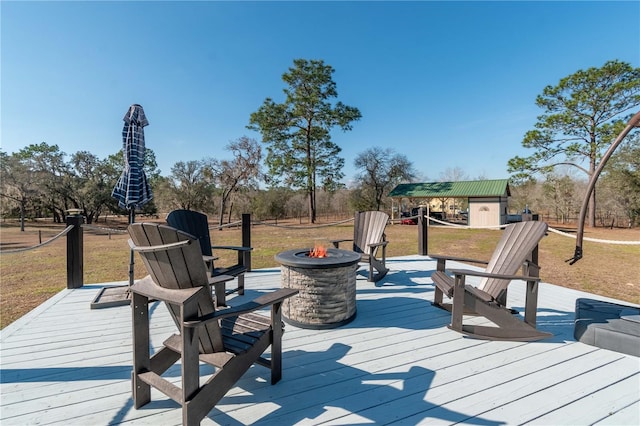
column 396, row 363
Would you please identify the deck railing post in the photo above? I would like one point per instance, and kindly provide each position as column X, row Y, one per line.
column 246, row 239
column 75, row 269
column 422, row 232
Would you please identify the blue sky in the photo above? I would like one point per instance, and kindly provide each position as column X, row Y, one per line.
column 448, row 84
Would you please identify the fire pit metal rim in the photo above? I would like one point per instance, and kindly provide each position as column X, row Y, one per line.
column 335, row 258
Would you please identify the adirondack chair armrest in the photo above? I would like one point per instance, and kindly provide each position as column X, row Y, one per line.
column 336, row 243
column 457, row 259
column 483, row 274
column 221, row 278
column 162, row 247
column 533, row 267
column 380, row 244
column 150, row 289
column 259, row 303
column 237, row 248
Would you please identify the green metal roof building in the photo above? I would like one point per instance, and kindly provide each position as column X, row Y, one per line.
column 488, row 199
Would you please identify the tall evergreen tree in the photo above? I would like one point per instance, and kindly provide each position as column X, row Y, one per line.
column 582, row 116
column 300, row 152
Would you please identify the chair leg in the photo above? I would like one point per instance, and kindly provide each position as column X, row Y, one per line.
column 190, row 353
column 531, row 303
column 215, row 388
column 509, row 326
column 457, row 308
column 437, row 296
column 141, row 360
column 221, row 294
column 276, row 344
column 380, row 267
column 241, row 284
column 190, row 365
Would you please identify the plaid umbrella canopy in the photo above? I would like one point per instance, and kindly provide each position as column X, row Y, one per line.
column 133, row 190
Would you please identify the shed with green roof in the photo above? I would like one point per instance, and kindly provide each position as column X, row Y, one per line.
column 487, row 199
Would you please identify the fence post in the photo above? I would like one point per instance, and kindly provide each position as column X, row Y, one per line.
column 246, row 238
column 422, row 232
column 75, row 269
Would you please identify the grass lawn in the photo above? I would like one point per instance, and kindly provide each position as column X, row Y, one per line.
column 29, row 278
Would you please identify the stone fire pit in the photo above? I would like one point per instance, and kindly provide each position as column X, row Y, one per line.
column 327, row 287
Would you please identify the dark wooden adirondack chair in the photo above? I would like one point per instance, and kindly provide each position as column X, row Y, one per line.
column 517, row 248
column 231, row 339
column 197, row 225
column 368, row 237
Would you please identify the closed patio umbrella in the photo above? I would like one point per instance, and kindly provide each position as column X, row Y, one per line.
column 132, row 189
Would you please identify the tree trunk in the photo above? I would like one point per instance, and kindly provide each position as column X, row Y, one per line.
column 222, row 206
column 22, row 215
column 230, row 210
column 312, row 206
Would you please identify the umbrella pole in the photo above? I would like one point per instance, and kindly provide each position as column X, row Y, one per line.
column 633, row 122
column 132, row 219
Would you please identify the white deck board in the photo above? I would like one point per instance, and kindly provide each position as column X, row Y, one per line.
column 397, row 362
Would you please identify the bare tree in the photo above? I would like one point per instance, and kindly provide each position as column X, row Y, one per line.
column 455, row 174
column 560, row 196
column 381, row 170
column 296, row 206
column 18, row 183
column 191, row 184
column 240, row 172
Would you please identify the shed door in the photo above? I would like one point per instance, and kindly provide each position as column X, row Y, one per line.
column 484, row 217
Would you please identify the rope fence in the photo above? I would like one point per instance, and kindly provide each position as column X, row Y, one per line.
column 227, row 225
column 555, row 231
column 102, row 228
column 304, row 227
column 594, row 240
column 75, row 226
column 325, row 225
column 50, row 240
column 452, row 225
column 61, row 234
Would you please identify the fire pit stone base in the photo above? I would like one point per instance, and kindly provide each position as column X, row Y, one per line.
column 327, row 288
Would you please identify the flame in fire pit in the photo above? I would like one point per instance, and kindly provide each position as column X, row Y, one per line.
column 318, row 251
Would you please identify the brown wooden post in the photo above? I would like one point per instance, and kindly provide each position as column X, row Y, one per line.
column 422, row 232
column 75, row 270
column 246, row 239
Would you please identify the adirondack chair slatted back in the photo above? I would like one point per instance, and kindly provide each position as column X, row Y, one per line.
column 178, row 268
column 368, row 229
column 516, row 245
column 194, row 223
